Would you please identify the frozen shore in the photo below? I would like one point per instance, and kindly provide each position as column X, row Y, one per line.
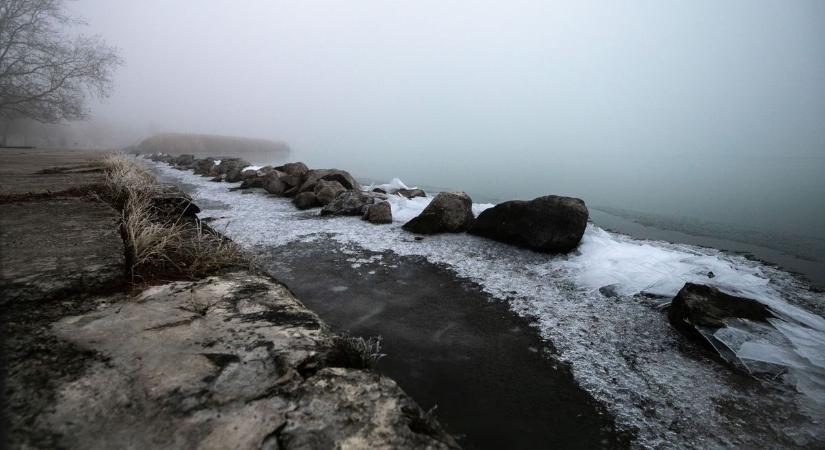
column 599, row 307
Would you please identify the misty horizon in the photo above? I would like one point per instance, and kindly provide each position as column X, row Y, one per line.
column 696, row 109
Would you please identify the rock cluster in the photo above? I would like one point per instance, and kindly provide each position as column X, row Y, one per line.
column 551, row 224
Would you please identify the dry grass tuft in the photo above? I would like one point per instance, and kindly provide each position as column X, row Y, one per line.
column 159, row 246
column 356, row 352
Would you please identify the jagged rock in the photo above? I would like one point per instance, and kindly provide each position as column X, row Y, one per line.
column 411, row 193
column 450, row 212
column 341, row 176
column 698, row 305
column 305, row 200
column 298, row 169
column 550, row 224
column 326, row 191
column 380, row 212
column 349, row 203
column 379, row 191
column 233, row 361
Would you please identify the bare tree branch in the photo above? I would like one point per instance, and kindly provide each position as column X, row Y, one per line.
column 45, row 75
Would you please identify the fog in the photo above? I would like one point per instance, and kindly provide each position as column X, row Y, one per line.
column 705, row 109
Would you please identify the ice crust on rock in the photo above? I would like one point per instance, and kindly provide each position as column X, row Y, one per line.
column 622, row 350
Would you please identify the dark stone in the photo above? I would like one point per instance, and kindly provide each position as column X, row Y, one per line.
column 380, row 212
column 306, row 200
column 411, row 193
column 255, row 178
column 705, row 306
column 234, row 175
column 550, row 224
column 326, row 191
column 449, row 212
column 349, row 203
column 341, row 176
column 185, row 160
column 609, row 291
column 217, row 179
column 232, row 167
column 379, row 191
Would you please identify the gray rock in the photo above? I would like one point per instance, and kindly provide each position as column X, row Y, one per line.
column 411, row 193
column 203, row 166
column 184, row 160
column 231, row 167
column 449, row 212
column 298, row 169
column 273, row 184
column 550, row 224
column 305, row 200
column 349, row 203
column 326, row 191
column 233, row 175
column 341, row 176
column 380, row 212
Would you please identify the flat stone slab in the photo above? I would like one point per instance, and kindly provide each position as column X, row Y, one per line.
column 231, row 361
column 59, row 246
column 47, row 170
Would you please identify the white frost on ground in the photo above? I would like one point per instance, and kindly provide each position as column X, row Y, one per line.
column 622, row 350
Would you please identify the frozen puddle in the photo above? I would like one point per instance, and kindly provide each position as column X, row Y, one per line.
column 621, row 348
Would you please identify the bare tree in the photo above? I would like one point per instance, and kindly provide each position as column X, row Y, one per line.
column 46, row 74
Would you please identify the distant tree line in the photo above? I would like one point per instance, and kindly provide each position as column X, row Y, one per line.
column 46, row 75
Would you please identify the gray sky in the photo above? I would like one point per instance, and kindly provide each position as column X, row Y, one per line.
column 510, row 98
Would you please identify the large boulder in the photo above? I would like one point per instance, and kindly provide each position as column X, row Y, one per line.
column 411, row 193
column 349, row 203
column 550, row 224
column 272, row 183
column 297, row 168
column 326, row 191
column 232, row 167
column 450, row 212
column 706, row 307
column 380, row 212
column 184, row 161
column 255, row 178
column 203, row 166
column 341, row 176
column 305, row 200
